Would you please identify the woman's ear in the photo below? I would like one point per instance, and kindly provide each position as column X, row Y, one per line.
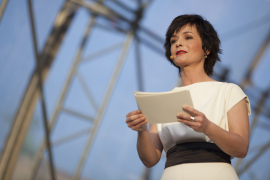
column 207, row 52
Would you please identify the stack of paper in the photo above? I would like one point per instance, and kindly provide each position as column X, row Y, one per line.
column 162, row 107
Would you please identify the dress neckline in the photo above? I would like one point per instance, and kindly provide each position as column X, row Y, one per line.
column 199, row 83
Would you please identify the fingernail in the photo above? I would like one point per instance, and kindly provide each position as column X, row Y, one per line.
column 184, row 106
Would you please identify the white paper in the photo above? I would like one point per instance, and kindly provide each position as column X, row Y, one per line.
column 162, row 107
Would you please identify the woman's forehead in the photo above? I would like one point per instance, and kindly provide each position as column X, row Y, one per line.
column 186, row 28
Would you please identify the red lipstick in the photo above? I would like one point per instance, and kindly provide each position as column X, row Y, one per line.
column 181, row 52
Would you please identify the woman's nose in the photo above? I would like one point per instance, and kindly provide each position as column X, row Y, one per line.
column 178, row 43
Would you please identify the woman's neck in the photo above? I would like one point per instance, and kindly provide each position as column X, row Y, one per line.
column 191, row 76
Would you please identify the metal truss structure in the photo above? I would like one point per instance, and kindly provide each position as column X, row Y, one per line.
column 132, row 30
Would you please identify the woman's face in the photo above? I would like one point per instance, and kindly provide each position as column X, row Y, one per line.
column 186, row 47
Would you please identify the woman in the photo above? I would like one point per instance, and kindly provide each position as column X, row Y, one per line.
column 201, row 144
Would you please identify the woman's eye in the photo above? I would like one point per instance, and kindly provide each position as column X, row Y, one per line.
column 172, row 41
column 188, row 37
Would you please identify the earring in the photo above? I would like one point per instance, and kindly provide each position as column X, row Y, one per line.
column 205, row 57
column 171, row 57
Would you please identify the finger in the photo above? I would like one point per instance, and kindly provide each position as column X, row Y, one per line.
column 192, row 110
column 133, row 117
column 133, row 113
column 139, row 125
column 137, row 121
column 187, row 122
column 183, row 116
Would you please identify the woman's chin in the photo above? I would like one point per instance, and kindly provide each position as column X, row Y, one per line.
column 179, row 63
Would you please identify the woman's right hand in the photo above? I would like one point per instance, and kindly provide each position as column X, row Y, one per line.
column 136, row 121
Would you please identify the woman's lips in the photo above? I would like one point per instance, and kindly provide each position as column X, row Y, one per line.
column 181, row 52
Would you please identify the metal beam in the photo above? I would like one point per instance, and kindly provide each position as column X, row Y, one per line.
column 23, row 116
column 146, row 174
column 100, row 53
column 255, row 158
column 2, row 8
column 258, row 111
column 40, row 87
column 71, row 137
column 139, row 65
column 75, row 113
column 98, row 9
column 104, row 104
column 246, row 81
column 87, row 91
column 72, row 72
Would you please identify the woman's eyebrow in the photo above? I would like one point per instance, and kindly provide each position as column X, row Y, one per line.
column 187, row 32
column 173, row 36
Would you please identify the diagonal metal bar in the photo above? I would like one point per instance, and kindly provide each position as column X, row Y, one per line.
column 250, row 26
column 101, row 52
column 64, row 92
column 80, row 115
column 252, row 175
column 155, row 48
column 152, row 34
column 44, row 113
column 256, row 157
column 123, row 6
column 87, row 91
column 108, row 27
column 2, row 8
column 71, row 137
column 25, row 110
column 246, row 81
column 100, row 9
column 104, row 104
column 258, row 110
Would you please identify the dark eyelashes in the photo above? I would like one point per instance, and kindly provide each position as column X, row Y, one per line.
column 188, row 37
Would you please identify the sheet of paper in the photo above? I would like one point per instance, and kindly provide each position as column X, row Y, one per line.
column 162, row 107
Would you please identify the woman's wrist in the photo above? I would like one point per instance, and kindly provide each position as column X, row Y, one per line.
column 208, row 128
column 142, row 129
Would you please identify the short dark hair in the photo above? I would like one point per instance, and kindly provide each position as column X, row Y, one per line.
column 209, row 37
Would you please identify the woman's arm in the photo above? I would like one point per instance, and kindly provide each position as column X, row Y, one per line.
column 149, row 146
column 234, row 142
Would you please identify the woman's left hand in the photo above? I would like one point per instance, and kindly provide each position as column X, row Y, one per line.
column 200, row 122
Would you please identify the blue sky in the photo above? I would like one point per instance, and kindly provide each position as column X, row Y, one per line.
column 113, row 154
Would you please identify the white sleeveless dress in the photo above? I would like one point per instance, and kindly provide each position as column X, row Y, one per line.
column 214, row 99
